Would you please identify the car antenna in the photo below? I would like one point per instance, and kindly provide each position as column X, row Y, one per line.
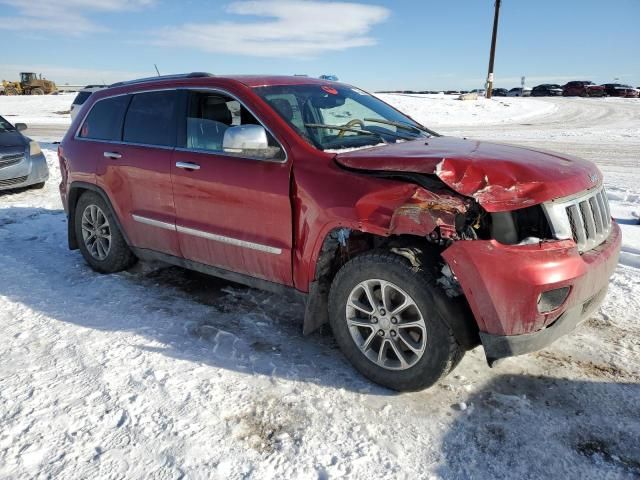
column 156, row 67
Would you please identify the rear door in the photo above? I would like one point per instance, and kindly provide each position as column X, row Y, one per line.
column 135, row 171
column 232, row 211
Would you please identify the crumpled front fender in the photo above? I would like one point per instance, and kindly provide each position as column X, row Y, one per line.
column 409, row 209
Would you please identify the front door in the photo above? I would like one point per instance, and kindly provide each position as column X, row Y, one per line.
column 233, row 211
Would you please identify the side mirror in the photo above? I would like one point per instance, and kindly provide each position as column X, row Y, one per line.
column 21, row 127
column 249, row 139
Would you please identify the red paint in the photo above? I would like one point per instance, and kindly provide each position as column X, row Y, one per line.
column 501, row 177
column 330, row 90
column 293, row 205
column 502, row 282
column 236, row 198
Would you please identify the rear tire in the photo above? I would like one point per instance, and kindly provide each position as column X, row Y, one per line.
column 37, row 91
column 100, row 241
column 375, row 337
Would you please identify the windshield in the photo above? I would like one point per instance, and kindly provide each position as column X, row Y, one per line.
column 5, row 126
column 337, row 117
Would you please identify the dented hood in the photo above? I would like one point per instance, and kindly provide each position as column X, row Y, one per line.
column 500, row 177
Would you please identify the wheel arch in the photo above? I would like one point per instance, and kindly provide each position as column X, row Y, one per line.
column 75, row 192
column 341, row 244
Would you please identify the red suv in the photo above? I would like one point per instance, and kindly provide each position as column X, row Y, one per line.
column 414, row 247
column 583, row 89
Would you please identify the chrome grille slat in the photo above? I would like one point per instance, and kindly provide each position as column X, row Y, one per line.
column 597, row 214
column 585, row 218
column 579, row 231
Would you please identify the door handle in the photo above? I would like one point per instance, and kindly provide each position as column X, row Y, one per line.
column 113, row 155
column 188, row 165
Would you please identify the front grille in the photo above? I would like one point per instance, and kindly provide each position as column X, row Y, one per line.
column 8, row 160
column 586, row 219
column 13, row 181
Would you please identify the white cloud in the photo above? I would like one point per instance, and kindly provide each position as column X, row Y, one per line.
column 290, row 28
column 66, row 16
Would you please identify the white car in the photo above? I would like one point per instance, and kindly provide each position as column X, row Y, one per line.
column 81, row 97
column 519, row 92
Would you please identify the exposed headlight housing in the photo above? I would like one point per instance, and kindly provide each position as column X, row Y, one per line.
column 34, row 149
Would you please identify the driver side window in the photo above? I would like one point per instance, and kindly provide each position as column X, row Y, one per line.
column 212, row 117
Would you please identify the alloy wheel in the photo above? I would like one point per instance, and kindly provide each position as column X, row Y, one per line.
column 386, row 324
column 96, row 232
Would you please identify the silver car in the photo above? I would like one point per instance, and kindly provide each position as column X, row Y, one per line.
column 22, row 163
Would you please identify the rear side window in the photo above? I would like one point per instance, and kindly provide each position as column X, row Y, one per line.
column 104, row 122
column 81, row 98
column 150, row 119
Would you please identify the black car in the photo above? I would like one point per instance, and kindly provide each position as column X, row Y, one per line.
column 22, row 163
column 547, row 90
column 499, row 92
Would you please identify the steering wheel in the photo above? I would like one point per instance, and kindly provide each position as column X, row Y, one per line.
column 351, row 124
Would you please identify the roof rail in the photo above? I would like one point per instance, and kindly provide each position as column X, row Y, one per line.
column 162, row 77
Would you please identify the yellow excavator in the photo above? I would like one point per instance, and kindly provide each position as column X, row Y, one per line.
column 29, row 84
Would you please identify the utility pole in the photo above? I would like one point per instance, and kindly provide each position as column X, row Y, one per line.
column 493, row 50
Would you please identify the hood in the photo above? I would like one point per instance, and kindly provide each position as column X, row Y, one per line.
column 500, row 177
column 12, row 139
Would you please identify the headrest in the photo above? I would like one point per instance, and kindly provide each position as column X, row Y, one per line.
column 218, row 112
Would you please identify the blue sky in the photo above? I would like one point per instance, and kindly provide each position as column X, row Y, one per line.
column 407, row 44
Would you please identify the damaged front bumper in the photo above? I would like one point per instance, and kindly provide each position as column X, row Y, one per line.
column 503, row 285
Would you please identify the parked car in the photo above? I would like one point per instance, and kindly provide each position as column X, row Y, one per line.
column 390, row 232
column 499, row 92
column 22, row 163
column 547, row 90
column 519, row 92
column 619, row 90
column 583, row 89
column 81, row 97
column 331, row 78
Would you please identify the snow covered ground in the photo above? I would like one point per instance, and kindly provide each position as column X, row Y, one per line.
column 50, row 109
column 164, row 373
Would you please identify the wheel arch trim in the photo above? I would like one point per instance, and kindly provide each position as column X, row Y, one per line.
column 75, row 191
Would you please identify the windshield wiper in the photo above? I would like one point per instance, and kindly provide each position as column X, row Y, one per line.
column 406, row 126
column 345, row 129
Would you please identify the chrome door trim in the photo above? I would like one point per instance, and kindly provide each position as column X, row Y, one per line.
column 209, row 236
column 153, row 223
column 229, row 240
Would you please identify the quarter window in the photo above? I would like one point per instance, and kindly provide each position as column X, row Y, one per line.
column 150, row 119
column 104, row 122
column 81, row 97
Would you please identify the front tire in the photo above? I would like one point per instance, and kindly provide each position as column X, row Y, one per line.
column 101, row 243
column 385, row 319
